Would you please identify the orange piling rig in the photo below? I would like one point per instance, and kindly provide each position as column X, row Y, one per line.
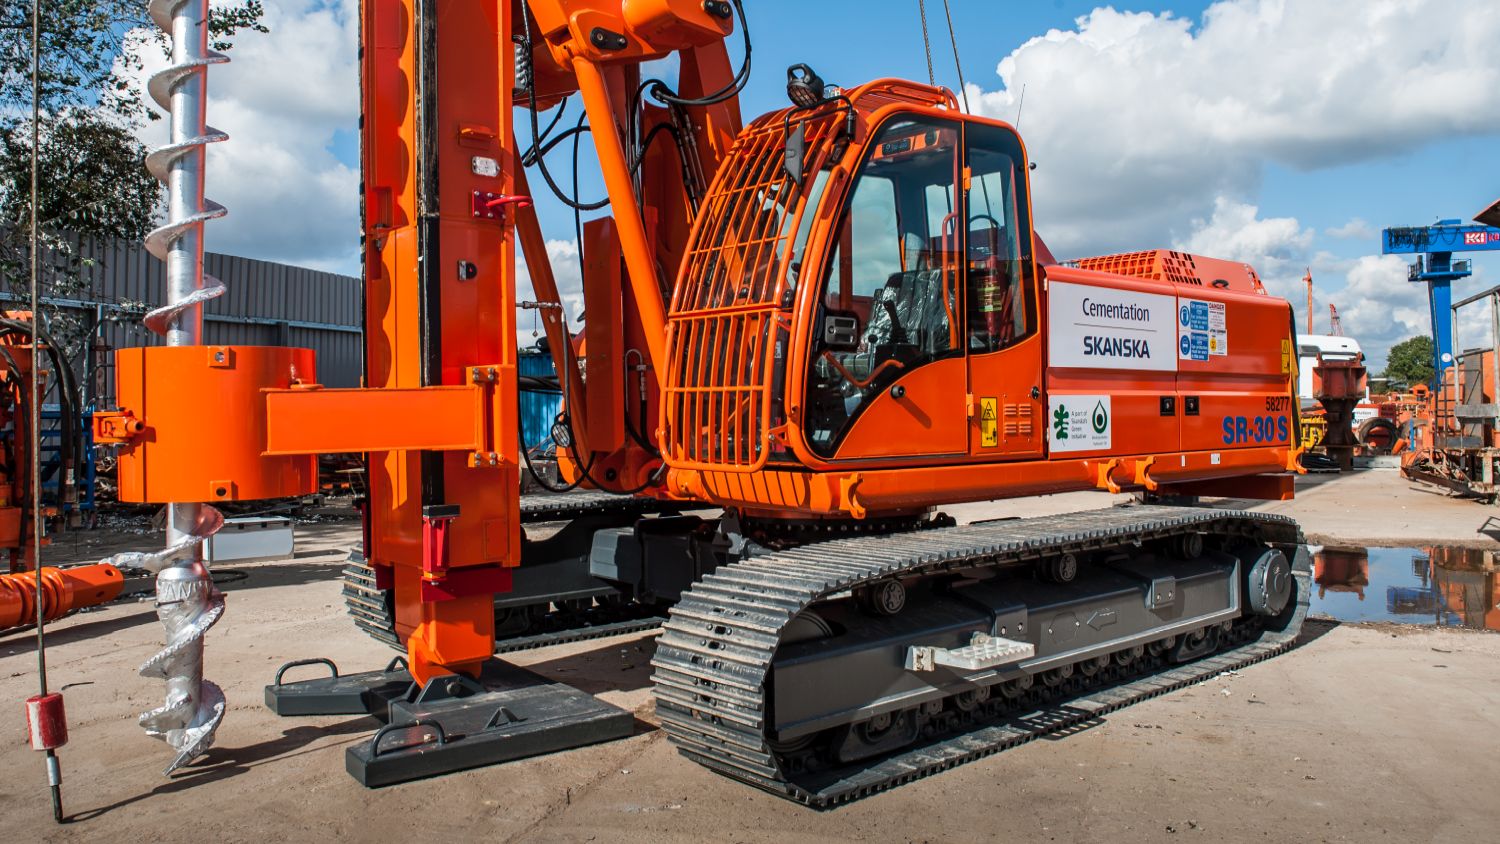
column 755, row 340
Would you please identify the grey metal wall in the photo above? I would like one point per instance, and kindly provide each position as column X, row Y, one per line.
column 266, row 304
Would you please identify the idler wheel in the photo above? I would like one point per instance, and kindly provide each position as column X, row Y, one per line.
column 1090, row 667
column 1187, row 546
column 1017, row 687
column 1268, row 583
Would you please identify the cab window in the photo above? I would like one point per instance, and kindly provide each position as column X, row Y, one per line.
column 999, row 244
column 889, row 300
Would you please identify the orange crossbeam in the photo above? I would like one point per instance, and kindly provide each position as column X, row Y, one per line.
column 320, row 421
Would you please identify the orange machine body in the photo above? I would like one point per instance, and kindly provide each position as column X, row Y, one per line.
column 1469, row 582
column 1156, row 370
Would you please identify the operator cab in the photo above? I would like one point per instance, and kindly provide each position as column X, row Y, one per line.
column 864, row 287
column 921, row 269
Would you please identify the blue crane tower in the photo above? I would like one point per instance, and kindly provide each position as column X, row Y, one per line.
column 1434, row 246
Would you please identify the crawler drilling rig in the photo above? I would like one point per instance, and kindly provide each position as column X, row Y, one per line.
column 804, row 335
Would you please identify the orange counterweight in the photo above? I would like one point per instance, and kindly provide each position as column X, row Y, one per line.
column 63, row 591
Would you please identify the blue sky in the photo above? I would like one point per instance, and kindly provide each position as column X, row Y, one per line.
column 1284, row 133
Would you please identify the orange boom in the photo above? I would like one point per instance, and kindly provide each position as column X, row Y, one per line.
column 825, row 325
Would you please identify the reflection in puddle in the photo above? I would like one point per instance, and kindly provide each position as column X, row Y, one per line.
column 1438, row 585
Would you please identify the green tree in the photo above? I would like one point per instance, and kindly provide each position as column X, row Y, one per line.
column 1410, row 361
column 92, row 178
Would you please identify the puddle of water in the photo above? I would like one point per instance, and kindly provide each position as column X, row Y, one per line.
column 1437, row 585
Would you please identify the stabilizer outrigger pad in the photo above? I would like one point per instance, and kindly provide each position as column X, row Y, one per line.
column 452, row 724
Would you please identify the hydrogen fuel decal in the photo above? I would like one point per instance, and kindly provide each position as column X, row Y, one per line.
column 1079, row 423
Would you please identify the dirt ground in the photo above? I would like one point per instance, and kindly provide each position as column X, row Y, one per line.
column 1363, row 733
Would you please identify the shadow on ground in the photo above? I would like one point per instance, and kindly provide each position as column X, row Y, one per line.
column 221, row 763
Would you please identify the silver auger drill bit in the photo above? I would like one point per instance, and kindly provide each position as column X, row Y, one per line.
column 186, row 601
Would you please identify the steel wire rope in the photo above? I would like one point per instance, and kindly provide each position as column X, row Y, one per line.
column 963, row 88
column 54, row 767
column 926, row 44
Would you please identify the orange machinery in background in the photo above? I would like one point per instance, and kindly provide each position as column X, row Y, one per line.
column 63, row 590
column 15, row 459
column 827, row 324
column 1341, row 570
column 1458, row 424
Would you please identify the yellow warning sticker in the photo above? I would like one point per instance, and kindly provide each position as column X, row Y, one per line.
column 1286, row 357
column 989, row 423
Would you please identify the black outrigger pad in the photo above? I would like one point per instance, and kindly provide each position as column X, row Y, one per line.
column 453, row 724
column 509, row 713
column 366, row 693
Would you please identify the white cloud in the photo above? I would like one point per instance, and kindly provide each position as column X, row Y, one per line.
column 282, row 98
column 566, row 272
column 1379, row 307
column 1355, row 229
column 1139, row 121
column 1278, row 247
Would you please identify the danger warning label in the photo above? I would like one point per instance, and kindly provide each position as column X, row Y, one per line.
column 989, row 423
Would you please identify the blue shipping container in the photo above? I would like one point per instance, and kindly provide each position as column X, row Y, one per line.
column 539, row 408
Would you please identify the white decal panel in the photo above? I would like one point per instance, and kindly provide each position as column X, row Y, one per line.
column 1079, row 423
column 1202, row 329
column 1103, row 328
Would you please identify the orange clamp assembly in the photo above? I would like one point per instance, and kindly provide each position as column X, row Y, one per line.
column 196, row 419
column 1143, row 473
column 116, row 426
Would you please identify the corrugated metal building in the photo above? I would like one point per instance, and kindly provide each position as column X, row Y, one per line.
column 266, row 304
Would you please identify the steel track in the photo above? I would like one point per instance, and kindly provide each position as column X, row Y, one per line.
column 713, row 658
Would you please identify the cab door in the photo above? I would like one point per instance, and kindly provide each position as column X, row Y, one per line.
column 1004, row 349
column 887, row 371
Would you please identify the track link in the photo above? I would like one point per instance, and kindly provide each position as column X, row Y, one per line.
column 714, row 657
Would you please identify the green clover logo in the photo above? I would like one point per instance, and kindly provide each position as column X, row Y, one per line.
column 1060, row 422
